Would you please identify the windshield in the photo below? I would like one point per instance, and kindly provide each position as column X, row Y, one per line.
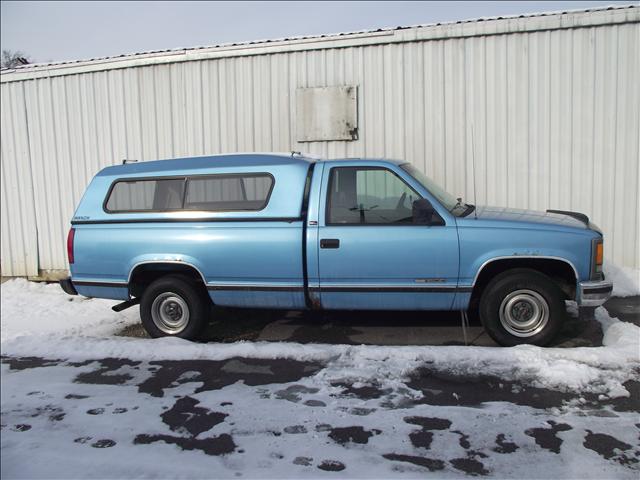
column 448, row 201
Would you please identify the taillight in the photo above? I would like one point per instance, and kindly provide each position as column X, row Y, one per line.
column 70, row 237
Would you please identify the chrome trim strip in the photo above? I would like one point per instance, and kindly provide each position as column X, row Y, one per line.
column 353, row 288
column 185, row 220
column 388, row 285
column 253, row 287
column 360, row 288
column 297, row 286
column 101, row 283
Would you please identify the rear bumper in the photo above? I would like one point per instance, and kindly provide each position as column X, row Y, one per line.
column 594, row 294
column 67, row 286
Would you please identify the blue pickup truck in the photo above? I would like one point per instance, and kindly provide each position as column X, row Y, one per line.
column 290, row 232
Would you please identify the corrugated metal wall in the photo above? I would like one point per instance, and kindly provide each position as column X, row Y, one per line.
column 552, row 103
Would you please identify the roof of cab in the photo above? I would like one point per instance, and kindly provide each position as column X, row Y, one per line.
column 207, row 162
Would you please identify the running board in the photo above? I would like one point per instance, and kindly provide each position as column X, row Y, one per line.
column 124, row 305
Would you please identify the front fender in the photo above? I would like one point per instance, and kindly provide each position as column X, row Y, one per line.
column 480, row 246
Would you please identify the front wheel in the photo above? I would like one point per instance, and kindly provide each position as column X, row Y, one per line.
column 522, row 306
column 173, row 306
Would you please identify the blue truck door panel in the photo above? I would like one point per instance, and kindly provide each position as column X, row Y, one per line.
column 386, row 266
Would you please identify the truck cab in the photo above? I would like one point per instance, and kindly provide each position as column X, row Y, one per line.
column 291, row 232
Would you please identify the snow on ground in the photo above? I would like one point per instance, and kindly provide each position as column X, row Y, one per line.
column 105, row 406
column 44, row 310
column 626, row 280
column 166, row 420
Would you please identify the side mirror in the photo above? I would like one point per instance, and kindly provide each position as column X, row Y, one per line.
column 424, row 214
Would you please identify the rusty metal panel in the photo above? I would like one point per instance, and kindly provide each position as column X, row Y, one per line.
column 546, row 107
column 327, row 113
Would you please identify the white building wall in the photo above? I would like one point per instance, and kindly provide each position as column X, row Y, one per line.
column 552, row 104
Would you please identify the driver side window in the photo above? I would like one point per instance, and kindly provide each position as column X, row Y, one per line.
column 370, row 196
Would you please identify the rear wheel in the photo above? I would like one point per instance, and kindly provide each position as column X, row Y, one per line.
column 522, row 306
column 174, row 306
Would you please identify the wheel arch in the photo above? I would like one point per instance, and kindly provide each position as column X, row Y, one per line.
column 143, row 273
column 562, row 271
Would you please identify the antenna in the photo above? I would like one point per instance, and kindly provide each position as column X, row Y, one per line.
column 473, row 173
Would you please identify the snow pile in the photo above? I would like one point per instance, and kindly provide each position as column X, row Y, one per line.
column 44, row 310
column 626, row 280
column 41, row 320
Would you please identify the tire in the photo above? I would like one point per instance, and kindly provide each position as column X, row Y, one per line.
column 174, row 306
column 522, row 306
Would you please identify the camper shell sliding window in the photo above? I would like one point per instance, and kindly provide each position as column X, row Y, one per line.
column 213, row 193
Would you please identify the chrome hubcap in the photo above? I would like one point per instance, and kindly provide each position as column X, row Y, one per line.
column 524, row 313
column 170, row 313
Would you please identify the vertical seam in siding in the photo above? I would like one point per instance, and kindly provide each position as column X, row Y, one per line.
column 124, row 115
column 140, row 122
column 31, row 183
column 465, row 114
column 203, row 149
column 507, row 122
column 593, row 116
column 444, row 110
column 383, row 100
column 170, row 101
column 57, row 173
column 571, row 106
column 615, row 140
column 486, row 120
column 549, row 68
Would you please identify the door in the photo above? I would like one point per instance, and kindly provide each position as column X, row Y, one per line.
column 375, row 250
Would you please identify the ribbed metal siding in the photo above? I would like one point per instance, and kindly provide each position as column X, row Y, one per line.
column 554, row 115
column 17, row 210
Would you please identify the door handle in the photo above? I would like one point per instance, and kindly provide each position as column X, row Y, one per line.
column 329, row 243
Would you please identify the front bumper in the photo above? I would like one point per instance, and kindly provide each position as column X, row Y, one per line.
column 67, row 286
column 594, row 293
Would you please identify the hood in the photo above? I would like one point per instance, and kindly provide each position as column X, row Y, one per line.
column 502, row 214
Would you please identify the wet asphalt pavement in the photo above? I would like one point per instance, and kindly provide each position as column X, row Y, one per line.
column 192, row 407
column 384, row 328
column 438, row 421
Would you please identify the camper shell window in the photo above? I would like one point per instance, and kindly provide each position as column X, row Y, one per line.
column 213, row 193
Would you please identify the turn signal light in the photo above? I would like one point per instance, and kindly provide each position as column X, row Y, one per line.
column 599, row 256
column 70, row 238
